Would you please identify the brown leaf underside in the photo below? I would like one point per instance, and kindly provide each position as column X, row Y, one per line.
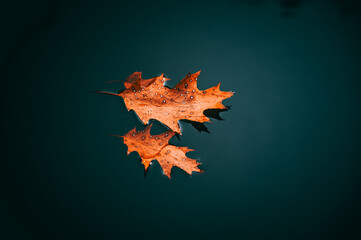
column 150, row 99
column 150, row 147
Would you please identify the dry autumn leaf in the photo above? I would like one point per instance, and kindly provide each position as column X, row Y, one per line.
column 150, row 147
column 150, row 99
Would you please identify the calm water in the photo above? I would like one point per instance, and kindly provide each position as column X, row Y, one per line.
column 285, row 163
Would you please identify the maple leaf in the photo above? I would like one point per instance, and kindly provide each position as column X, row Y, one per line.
column 150, row 99
column 150, row 147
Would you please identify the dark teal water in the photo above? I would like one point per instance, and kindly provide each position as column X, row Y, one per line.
column 285, row 163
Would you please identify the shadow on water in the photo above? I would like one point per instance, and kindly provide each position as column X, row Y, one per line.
column 213, row 113
column 346, row 6
column 255, row 3
column 289, row 7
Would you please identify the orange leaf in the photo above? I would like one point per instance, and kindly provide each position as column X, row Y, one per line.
column 150, row 147
column 150, row 99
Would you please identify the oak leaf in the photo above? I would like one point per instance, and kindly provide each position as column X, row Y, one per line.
column 150, row 99
column 150, row 147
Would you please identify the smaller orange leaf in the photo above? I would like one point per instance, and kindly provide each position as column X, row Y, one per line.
column 150, row 147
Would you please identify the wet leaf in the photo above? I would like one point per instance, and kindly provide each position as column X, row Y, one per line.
column 151, row 99
column 156, row 147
